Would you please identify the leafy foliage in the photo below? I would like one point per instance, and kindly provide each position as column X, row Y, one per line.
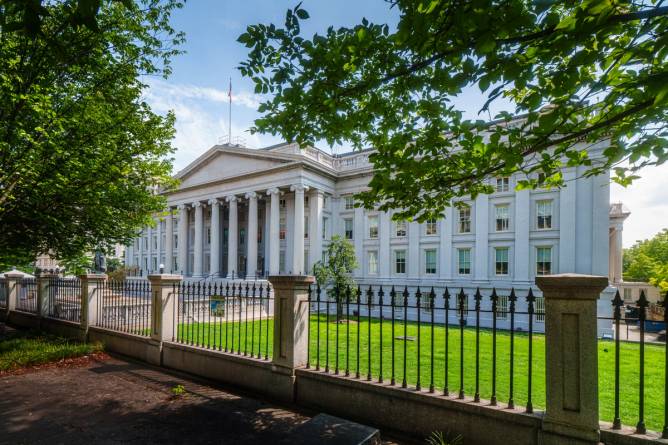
column 648, row 261
column 590, row 78
column 335, row 275
column 81, row 154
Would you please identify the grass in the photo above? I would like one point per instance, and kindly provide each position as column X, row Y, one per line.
column 369, row 334
column 27, row 348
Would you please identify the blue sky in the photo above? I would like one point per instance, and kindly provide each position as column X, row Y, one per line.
column 197, row 89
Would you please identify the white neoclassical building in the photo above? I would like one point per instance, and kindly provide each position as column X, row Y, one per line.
column 252, row 212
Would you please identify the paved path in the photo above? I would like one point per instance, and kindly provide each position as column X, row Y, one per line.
column 115, row 401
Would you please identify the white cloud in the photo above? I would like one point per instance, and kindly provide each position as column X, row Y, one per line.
column 647, row 198
column 161, row 88
column 200, row 121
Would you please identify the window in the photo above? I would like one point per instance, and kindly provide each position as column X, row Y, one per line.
column 373, row 262
column 501, row 260
column 540, row 309
column 502, row 184
column 325, row 222
column 281, row 203
column 208, row 235
column 281, row 261
column 431, row 227
column 242, row 236
column 400, row 228
column 502, row 307
column 348, row 228
column 543, row 261
column 373, row 226
column 226, row 233
column 628, row 294
column 430, row 261
column 175, row 262
column 348, row 202
column 306, row 228
column 465, row 219
column 155, row 242
column 176, row 241
column 282, row 228
column 400, row 261
column 163, row 237
column 544, row 214
column 154, row 263
column 502, row 215
column 464, row 262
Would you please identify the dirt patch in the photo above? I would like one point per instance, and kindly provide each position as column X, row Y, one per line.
column 73, row 362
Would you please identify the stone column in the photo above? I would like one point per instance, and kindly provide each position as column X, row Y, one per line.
column 290, row 321
column 169, row 241
column 199, row 232
column 163, row 305
column 316, row 202
column 413, row 254
column 251, row 259
column 90, row 299
column 522, row 228
column 215, row 237
column 385, row 227
column 298, row 246
column 274, row 229
column 481, row 238
column 445, row 235
column 233, row 233
column 183, row 239
column 13, row 283
column 571, row 358
column 567, row 221
column 149, row 249
column 43, row 289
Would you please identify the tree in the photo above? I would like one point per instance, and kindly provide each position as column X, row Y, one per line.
column 81, row 154
column 647, row 261
column 578, row 72
column 335, row 275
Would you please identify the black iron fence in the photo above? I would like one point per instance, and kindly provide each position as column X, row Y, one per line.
column 3, row 292
column 430, row 338
column 27, row 295
column 63, row 299
column 125, row 306
column 231, row 317
column 643, row 354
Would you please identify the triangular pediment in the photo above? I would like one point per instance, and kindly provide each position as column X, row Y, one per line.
column 222, row 164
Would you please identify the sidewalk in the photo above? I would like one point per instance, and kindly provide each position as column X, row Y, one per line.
column 116, row 401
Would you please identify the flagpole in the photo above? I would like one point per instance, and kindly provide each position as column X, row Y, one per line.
column 229, row 128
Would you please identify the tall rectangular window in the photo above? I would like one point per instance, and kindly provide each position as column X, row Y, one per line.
column 400, row 228
column 325, row 224
column 175, row 262
column 502, row 184
column 431, row 227
column 544, row 214
column 176, row 241
column 628, row 294
column 348, row 228
column 464, row 261
column 543, row 260
column 305, row 226
column 373, row 226
column 502, row 307
column 465, row 219
column 400, row 261
column 502, row 216
column 281, row 261
column 348, row 202
column 430, row 261
column 282, row 227
column 540, row 309
column 208, row 235
column 373, row 262
column 501, row 260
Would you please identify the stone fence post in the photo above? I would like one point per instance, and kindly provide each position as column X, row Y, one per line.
column 90, row 299
column 290, row 321
column 571, row 358
column 163, row 306
column 43, row 283
column 13, row 283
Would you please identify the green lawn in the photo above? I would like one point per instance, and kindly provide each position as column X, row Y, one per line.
column 26, row 348
column 247, row 334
